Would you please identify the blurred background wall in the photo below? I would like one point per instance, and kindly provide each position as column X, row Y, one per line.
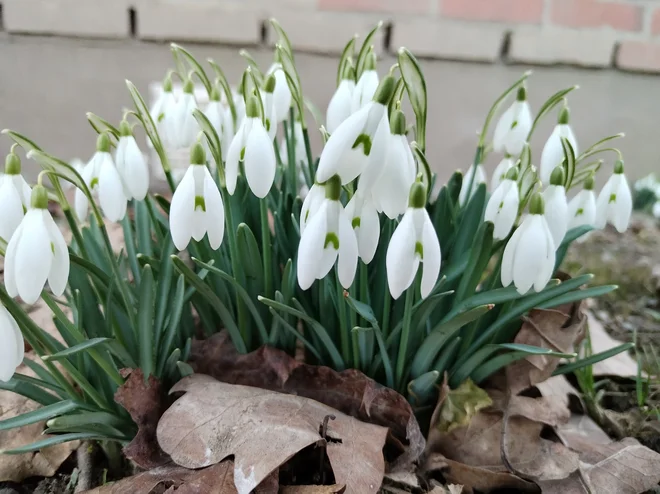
column 62, row 58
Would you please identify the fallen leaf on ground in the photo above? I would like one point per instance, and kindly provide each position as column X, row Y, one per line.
column 557, row 388
column 44, row 463
column 262, row 430
column 456, row 407
column 312, row 489
column 622, row 364
column 583, row 435
column 217, row 479
column 144, row 402
column 557, row 329
column 350, row 391
column 474, row 478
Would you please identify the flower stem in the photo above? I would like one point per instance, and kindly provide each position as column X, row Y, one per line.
column 266, row 249
column 405, row 336
column 343, row 329
column 291, row 153
column 310, row 160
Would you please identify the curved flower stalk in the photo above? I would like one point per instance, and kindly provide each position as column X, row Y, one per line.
column 500, row 171
column 253, row 146
column 502, row 207
column 361, row 138
column 103, row 181
column 414, row 241
column 341, row 103
column 513, row 126
column 14, row 196
column 556, row 206
column 327, row 239
column 390, row 191
column 131, row 164
column 553, row 151
column 13, row 346
column 281, row 93
column 36, row 253
column 475, row 175
column 614, row 204
column 366, row 86
column 197, row 208
column 582, row 208
column 529, row 256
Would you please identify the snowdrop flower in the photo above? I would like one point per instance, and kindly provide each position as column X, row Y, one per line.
column 502, row 207
column 268, row 102
column 311, row 205
column 390, row 192
column 366, row 224
column 14, row 197
column 197, row 208
column 36, row 253
column 131, row 164
column 341, row 102
column 529, row 256
column 475, row 176
column 413, row 241
column 513, row 126
column 162, row 113
column 103, row 181
column 582, row 208
column 553, row 151
column 361, row 139
column 500, row 171
column 13, row 346
column 182, row 127
column 556, row 206
column 254, row 148
column 281, row 93
column 656, row 209
column 215, row 113
column 328, row 238
column 614, row 204
column 366, row 86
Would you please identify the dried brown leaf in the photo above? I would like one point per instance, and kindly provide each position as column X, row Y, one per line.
column 144, row 402
column 622, row 364
column 558, row 329
column 262, row 430
column 558, row 389
column 583, row 435
column 313, row 489
column 350, row 391
column 475, row 478
column 44, row 463
column 217, row 479
column 456, row 407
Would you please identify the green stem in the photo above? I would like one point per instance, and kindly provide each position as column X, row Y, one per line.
column 266, row 249
column 405, row 336
column 356, row 349
column 308, row 151
column 291, row 154
column 343, row 329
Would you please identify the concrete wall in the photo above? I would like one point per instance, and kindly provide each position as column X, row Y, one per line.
column 621, row 34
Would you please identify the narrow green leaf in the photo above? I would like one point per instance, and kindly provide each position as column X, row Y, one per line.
column 364, row 50
column 585, row 293
column 29, row 390
column 364, row 310
column 42, row 413
column 283, row 39
column 477, row 261
column 184, row 369
column 249, row 254
column 52, row 441
column 593, row 359
column 38, row 382
column 213, row 140
column 422, row 388
column 447, row 355
column 411, row 72
column 81, row 347
column 102, row 125
column 297, row 334
column 569, row 162
column 418, row 152
column 21, row 140
column 472, row 217
column 146, row 321
column 198, row 69
column 346, row 55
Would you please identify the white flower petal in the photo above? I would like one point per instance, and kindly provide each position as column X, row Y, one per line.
column 380, row 143
column 392, row 188
column 556, row 212
column 23, row 189
column 136, row 174
column 111, row 191
column 10, row 261
column 552, row 155
column 623, row 209
column 339, row 108
column 58, row 276
column 81, row 205
column 500, row 172
column 582, row 209
column 479, row 178
column 311, row 247
column 531, row 245
column 502, row 129
column 546, row 256
column 259, row 160
column 11, row 207
column 348, row 251
column 34, row 257
column 400, row 259
column 311, row 205
column 281, row 96
column 364, row 90
column 508, row 258
column 182, row 210
column 9, row 347
column 338, row 150
column 215, row 212
column 368, row 233
column 517, row 136
column 432, row 257
column 233, row 158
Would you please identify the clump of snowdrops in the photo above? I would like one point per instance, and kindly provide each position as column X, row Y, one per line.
column 378, row 268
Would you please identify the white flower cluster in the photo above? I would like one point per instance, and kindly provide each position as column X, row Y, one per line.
column 650, row 184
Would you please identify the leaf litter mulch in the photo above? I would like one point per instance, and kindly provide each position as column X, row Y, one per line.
column 265, row 422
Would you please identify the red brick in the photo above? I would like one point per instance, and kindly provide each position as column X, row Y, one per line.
column 527, row 11
column 397, row 6
column 655, row 22
column 639, row 56
column 592, row 13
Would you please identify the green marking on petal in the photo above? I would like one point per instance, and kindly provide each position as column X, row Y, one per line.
column 355, row 223
column 612, row 198
column 200, row 203
column 331, row 238
column 267, row 124
column 579, row 212
column 501, row 205
column 242, row 154
column 94, row 183
column 52, row 247
column 419, row 249
column 365, row 141
column 514, row 124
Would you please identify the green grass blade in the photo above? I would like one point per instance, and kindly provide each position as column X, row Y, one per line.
column 42, row 413
column 593, row 359
column 146, row 322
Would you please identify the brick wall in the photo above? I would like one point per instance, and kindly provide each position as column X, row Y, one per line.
column 623, row 34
